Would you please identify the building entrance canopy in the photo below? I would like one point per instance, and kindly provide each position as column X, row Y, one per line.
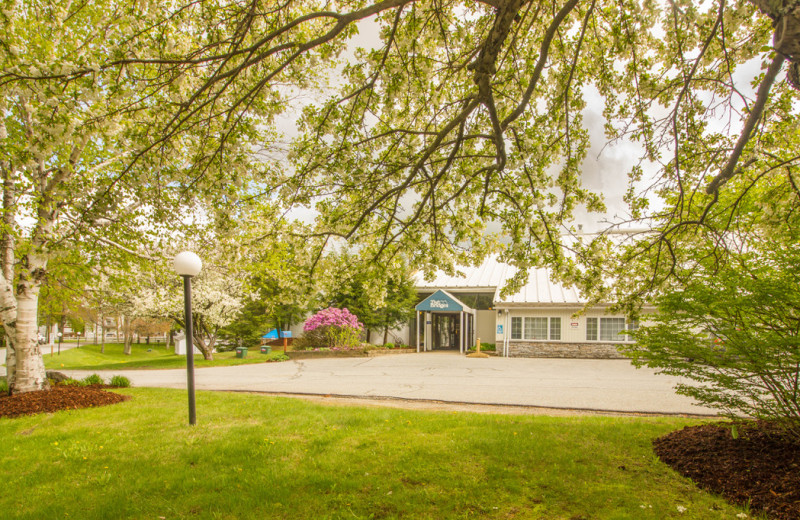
column 442, row 301
column 448, row 323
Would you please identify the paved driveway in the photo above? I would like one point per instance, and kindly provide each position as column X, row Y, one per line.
column 578, row 384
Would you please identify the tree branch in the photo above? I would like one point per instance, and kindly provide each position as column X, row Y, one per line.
column 729, row 170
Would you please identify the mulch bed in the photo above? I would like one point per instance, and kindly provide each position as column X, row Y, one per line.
column 59, row 397
column 761, row 466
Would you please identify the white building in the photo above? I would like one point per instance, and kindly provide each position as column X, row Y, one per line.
column 543, row 319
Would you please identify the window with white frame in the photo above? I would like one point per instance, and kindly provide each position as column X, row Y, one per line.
column 555, row 328
column 516, row 328
column 536, row 328
column 591, row 329
column 609, row 329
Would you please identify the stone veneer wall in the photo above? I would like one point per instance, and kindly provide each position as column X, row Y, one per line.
column 546, row 349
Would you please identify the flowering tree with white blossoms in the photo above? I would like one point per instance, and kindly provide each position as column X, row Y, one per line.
column 82, row 163
column 217, row 298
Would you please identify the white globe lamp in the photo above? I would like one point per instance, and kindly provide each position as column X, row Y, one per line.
column 187, row 264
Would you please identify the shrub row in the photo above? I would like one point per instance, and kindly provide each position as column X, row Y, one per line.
column 94, row 379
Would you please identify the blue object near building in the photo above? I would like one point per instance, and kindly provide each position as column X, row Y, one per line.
column 276, row 334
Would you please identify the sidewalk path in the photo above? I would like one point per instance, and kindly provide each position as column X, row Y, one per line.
column 568, row 384
column 46, row 348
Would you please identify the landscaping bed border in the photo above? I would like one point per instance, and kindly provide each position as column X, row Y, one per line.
column 320, row 354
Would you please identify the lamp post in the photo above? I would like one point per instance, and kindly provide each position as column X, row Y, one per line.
column 59, row 343
column 79, row 339
column 188, row 264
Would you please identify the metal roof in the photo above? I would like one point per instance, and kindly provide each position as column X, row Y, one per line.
column 492, row 276
column 487, row 276
column 541, row 290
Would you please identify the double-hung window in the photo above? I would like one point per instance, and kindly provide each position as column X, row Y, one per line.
column 591, row 329
column 608, row 329
column 555, row 328
column 535, row 328
column 516, row 328
column 531, row 328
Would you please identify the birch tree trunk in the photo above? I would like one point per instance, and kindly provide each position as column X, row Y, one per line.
column 9, row 304
column 20, row 300
column 29, row 371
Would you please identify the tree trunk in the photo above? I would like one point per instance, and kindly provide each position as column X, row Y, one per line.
column 385, row 334
column 199, row 342
column 786, row 16
column 62, row 322
column 28, row 372
column 126, row 321
column 9, row 303
column 102, row 333
column 199, row 338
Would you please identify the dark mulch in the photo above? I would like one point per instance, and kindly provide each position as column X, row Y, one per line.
column 59, row 397
column 760, row 467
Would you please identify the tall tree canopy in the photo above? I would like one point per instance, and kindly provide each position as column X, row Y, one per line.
column 470, row 113
column 465, row 114
column 462, row 115
column 82, row 161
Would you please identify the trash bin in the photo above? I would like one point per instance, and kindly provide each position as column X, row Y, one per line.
column 241, row 352
column 266, row 349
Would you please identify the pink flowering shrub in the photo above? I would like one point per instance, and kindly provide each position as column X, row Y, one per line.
column 333, row 317
column 331, row 328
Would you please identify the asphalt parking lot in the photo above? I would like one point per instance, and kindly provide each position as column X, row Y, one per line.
column 570, row 385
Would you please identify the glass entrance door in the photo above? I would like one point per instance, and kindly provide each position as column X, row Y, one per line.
column 446, row 331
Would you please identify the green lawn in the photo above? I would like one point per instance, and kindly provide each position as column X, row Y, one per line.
column 257, row 457
column 156, row 355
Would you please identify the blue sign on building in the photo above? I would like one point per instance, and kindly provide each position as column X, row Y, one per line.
column 442, row 302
